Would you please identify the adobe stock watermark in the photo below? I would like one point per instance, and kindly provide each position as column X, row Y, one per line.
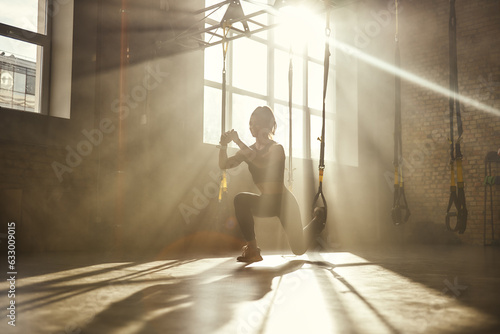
column 374, row 27
column 28, row 25
column 455, row 289
column 55, row 6
column 380, row 20
column 486, row 90
column 121, row 106
column 452, row 288
column 202, row 196
column 437, row 307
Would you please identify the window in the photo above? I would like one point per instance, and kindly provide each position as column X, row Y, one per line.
column 24, row 55
column 257, row 74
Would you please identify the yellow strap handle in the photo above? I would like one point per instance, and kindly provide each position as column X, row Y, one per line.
column 452, row 175
column 223, row 185
column 225, row 27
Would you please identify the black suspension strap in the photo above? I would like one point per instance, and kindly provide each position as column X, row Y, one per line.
column 321, row 166
column 225, row 43
column 400, row 210
column 457, row 192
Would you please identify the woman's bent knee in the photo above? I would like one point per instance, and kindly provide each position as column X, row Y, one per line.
column 241, row 199
column 298, row 249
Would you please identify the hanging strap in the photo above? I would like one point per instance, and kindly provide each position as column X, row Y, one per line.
column 457, row 192
column 321, row 166
column 400, row 211
column 225, row 43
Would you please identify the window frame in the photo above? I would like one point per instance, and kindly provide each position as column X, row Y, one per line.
column 43, row 66
column 301, row 59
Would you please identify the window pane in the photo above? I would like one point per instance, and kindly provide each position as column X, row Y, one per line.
column 316, row 124
column 212, row 109
column 315, row 85
column 243, row 106
column 300, row 28
column 282, row 114
column 287, row 39
column 12, row 48
column 250, row 65
column 20, row 80
column 18, row 101
column 20, row 73
column 5, row 98
column 281, row 69
column 213, row 63
column 331, row 93
column 6, row 76
column 30, row 85
column 24, row 14
column 316, row 44
column 30, row 102
column 6, row 84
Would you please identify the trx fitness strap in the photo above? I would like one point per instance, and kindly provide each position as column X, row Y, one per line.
column 225, row 27
column 457, row 193
column 321, row 166
column 400, row 210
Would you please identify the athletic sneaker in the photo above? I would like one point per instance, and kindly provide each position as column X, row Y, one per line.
column 250, row 255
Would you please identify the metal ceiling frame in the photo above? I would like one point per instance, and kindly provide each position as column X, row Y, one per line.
column 193, row 38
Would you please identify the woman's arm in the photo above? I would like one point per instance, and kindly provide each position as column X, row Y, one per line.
column 226, row 162
column 275, row 154
column 247, row 153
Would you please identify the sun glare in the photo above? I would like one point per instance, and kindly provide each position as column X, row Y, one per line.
column 405, row 75
column 299, row 26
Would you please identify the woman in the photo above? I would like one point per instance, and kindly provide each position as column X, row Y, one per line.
column 266, row 163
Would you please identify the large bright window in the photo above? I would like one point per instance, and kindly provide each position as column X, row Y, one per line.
column 257, row 70
column 24, row 55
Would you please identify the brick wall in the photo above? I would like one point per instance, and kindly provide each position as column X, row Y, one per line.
column 53, row 214
column 424, row 52
column 49, row 215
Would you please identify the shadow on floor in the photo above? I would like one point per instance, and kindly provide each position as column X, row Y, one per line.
column 207, row 300
column 469, row 274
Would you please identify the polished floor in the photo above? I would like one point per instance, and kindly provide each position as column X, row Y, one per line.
column 446, row 289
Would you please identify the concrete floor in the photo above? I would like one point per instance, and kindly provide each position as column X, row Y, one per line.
column 400, row 290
